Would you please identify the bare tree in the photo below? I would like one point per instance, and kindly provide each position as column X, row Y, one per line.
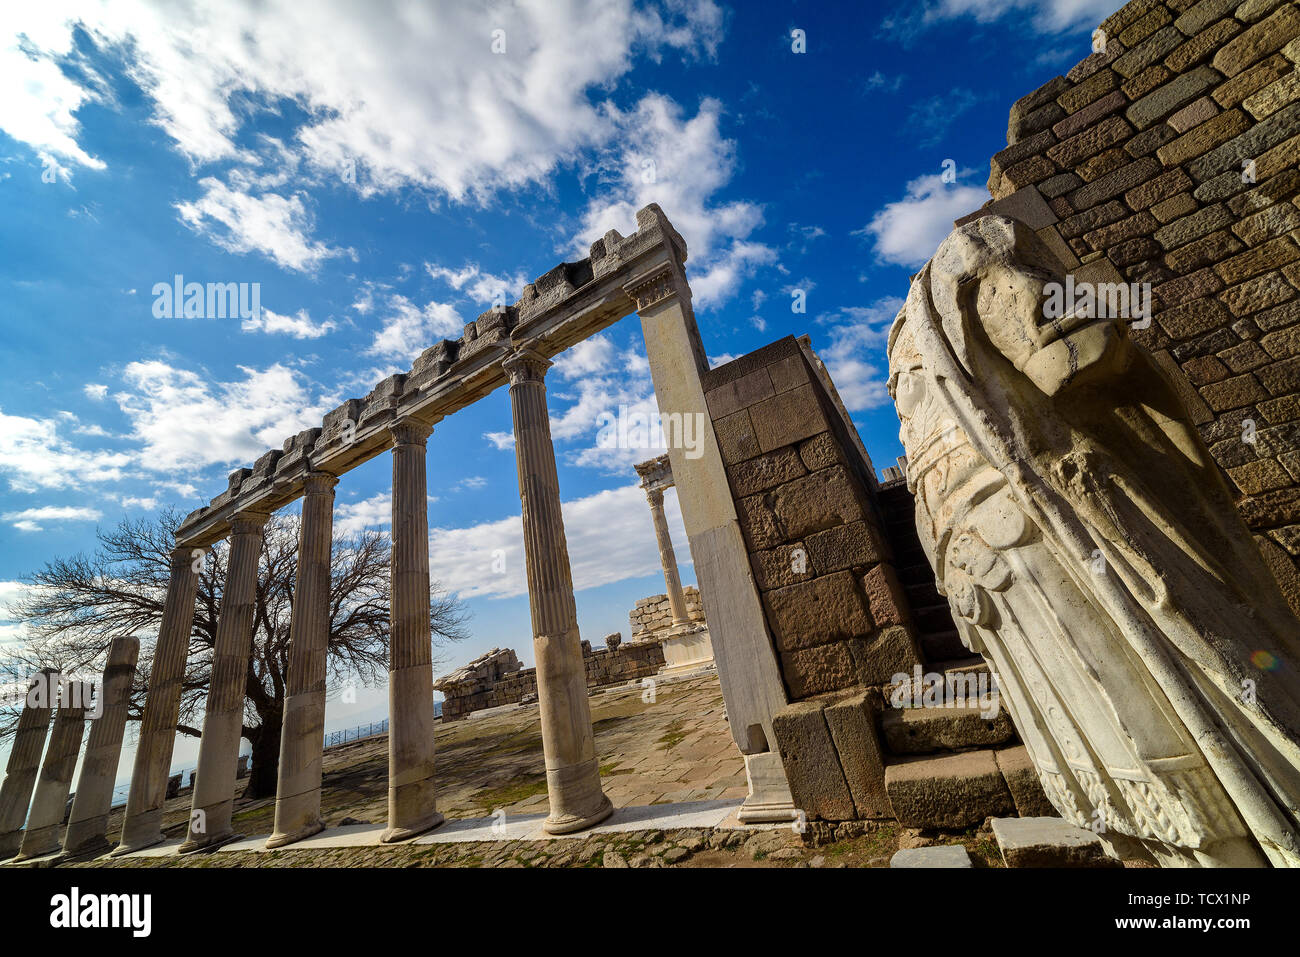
column 76, row 606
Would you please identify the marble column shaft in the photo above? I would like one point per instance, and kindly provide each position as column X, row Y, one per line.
column 297, row 795
column 45, row 822
column 142, row 825
column 223, row 721
column 572, row 773
column 412, row 807
column 668, row 558
column 88, row 822
column 25, row 761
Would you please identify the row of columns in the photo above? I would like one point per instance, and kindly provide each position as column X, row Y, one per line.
column 44, row 832
column 577, row 800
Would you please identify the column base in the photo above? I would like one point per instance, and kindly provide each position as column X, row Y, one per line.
column 289, row 837
column 9, row 844
column 192, row 846
column 569, row 823
column 395, row 835
column 39, row 843
column 769, row 799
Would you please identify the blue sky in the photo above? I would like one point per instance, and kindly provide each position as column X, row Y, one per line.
column 384, row 170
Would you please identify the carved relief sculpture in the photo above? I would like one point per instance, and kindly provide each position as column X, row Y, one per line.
column 1090, row 550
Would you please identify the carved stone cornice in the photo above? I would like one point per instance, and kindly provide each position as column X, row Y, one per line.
column 525, row 365
column 654, row 288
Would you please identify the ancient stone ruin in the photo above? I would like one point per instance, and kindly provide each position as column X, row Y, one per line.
column 1073, row 599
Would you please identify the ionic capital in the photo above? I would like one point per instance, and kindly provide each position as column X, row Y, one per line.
column 249, row 523
column 319, row 483
column 525, row 365
column 410, row 432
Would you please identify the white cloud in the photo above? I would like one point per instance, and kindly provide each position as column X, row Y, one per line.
column 501, row 440
column 299, row 325
column 95, row 391
column 406, row 329
column 483, row 288
column 663, row 157
column 1047, row 16
column 185, row 421
column 276, row 226
column 856, row 357
column 29, row 519
column 907, row 232
column 374, row 512
column 589, row 357
column 35, row 456
column 466, row 560
column 132, row 501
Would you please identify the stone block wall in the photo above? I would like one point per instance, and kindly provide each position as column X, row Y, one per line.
column 804, row 497
column 1171, row 159
column 497, row 679
column 653, row 614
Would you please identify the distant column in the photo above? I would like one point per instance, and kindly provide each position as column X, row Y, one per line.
column 88, row 821
column 412, row 807
column 142, row 826
column 297, row 794
column 45, row 821
column 214, row 784
column 572, row 773
column 668, row 558
column 25, row 760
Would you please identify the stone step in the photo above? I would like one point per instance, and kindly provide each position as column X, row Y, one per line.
column 1048, row 842
column 938, row 646
column 948, row 790
column 925, row 730
column 958, row 674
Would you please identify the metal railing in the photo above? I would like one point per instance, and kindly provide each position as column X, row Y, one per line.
column 356, row 734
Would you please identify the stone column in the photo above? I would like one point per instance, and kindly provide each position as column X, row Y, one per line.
column 223, row 721
column 572, row 775
column 142, row 826
column 45, row 822
column 742, row 647
column 25, row 760
column 88, row 821
column 667, row 558
column 412, row 807
column 302, row 739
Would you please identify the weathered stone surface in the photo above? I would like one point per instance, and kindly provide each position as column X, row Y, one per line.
column 891, row 651
column 739, row 394
column 1173, row 95
column 820, row 452
column 814, row 671
column 781, row 566
column 845, row 546
column 1258, row 41
column 885, row 598
column 952, row 791
column 1048, row 842
column 765, row 471
column 1018, row 771
column 787, row 417
column 811, row 764
column 852, row 724
column 815, row 612
column 736, row 438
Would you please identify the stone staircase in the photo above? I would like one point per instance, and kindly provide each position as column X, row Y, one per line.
column 955, row 765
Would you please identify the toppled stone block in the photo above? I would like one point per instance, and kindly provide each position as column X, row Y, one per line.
column 1048, row 842
column 852, row 723
column 1018, row 770
column 944, row 855
column 811, row 765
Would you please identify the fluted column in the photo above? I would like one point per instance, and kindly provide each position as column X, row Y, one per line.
column 668, row 558
column 88, row 821
column 45, row 821
column 297, row 794
column 142, row 826
column 25, row 760
column 223, row 721
column 411, row 799
column 572, row 774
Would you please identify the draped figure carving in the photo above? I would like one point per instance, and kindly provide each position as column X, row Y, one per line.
column 1090, row 550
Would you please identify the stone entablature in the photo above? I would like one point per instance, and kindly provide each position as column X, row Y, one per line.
column 558, row 309
column 654, row 614
column 497, row 678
